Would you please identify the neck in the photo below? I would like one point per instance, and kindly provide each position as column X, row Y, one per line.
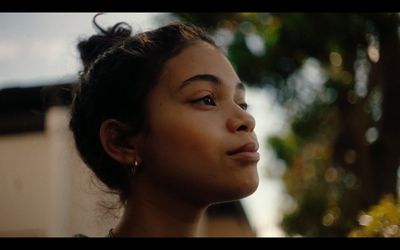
column 152, row 211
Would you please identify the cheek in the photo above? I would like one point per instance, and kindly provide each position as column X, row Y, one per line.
column 183, row 154
column 185, row 138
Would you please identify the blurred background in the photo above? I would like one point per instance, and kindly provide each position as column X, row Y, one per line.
column 324, row 89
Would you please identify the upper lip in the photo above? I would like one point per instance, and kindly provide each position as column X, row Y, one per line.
column 248, row 147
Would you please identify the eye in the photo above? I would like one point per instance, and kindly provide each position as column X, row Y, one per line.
column 207, row 100
column 244, row 106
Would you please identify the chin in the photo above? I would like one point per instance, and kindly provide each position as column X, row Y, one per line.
column 240, row 189
column 247, row 184
column 247, row 188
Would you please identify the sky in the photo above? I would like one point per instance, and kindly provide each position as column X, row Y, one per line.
column 37, row 47
column 40, row 48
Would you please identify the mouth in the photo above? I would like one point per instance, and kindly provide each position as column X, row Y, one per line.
column 247, row 152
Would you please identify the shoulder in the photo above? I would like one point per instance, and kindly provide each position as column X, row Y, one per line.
column 80, row 236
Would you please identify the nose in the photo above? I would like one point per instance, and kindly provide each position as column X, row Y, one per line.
column 241, row 121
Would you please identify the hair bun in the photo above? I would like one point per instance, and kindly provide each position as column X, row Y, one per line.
column 97, row 44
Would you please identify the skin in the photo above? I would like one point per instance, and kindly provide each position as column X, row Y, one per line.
column 196, row 114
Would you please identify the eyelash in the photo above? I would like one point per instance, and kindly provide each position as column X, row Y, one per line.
column 244, row 106
column 209, row 100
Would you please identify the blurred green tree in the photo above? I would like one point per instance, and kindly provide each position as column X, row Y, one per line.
column 337, row 75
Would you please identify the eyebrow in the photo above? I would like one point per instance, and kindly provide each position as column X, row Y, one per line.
column 209, row 78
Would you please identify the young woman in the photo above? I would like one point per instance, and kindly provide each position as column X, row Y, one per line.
column 160, row 118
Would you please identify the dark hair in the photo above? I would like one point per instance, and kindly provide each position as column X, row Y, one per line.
column 119, row 70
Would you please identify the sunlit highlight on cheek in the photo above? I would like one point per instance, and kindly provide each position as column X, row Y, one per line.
column 185, row 132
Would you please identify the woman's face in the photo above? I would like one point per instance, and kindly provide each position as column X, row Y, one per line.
column 201, row 144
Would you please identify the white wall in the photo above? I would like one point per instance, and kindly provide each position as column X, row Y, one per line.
column 45, row 189
column 24, row 185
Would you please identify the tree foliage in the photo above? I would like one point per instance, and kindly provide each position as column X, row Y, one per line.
column 337, row 75
column 382, row 220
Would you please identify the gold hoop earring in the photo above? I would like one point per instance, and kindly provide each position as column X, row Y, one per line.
column 134, row 167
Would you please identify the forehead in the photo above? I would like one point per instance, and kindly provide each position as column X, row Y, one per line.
column 198, row 58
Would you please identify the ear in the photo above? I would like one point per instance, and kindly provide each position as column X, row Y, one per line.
column 118, row 141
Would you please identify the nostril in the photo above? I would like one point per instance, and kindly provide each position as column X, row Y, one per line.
column 242, row 128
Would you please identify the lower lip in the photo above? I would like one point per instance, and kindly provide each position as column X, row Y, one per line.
column 246, row 156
